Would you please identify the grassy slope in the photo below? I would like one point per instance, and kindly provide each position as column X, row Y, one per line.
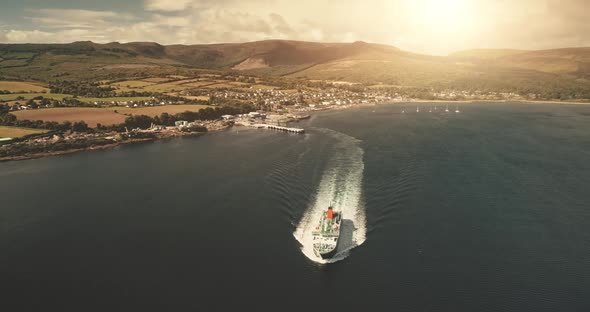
column 15, row 132
column 28, row 96
column 18, row 86
column 357, row 62
column 105, row 116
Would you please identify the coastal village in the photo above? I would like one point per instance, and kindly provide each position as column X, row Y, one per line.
column 272, row 107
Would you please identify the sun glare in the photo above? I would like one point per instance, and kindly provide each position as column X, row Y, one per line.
column 441, row 15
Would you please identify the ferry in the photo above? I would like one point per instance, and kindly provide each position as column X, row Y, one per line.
column 327, row 233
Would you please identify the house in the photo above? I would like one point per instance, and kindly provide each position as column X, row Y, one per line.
column 181, row 124
column 227, row 117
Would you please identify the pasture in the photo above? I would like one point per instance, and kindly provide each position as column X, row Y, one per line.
column 153, row 111
column 15, row 132
column 20, row 86
column 92, row 116
column 28, row 96
column 105, row 116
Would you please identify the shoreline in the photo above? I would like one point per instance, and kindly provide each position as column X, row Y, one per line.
column 497, row 101
column 102, row 147
column 344, row 107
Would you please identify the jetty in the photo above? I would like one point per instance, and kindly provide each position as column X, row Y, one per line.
column 271, row 127
column 279, row 128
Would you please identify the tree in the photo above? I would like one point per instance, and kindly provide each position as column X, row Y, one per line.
column 141, row 121
column 80, row 127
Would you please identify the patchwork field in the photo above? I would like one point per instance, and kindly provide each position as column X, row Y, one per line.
column 19, row 86
column 171, row 84
column 15, row 132
column 158, row 110
column 115, row 99
column 104, row 116
column 28, row 96
column 91, row 116
column 131, row 85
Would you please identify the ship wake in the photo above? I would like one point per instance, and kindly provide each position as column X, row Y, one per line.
column 340, row 186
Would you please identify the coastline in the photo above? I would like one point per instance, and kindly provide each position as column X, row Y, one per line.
column 498, row 101
column 102, row 147
column 343, row 107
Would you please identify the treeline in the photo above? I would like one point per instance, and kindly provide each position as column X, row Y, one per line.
column 131, row 122
column 10, row 120
column 81, row 88
column 165, row 119
column 61, row 145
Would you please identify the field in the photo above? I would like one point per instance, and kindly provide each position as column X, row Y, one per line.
column 14, row 132
column 172, row 85
column 158, row 110
column 131, row 85
column 28, row 96
column 104, row 116
column 114, row 99
column 91, row 116
column 18, row 86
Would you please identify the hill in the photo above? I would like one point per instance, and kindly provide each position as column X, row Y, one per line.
column 572, row 61
column 527, row 71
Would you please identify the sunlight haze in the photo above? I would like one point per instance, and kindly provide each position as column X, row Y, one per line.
column 423, row 26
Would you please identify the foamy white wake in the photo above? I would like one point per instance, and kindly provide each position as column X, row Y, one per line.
column 341, row 186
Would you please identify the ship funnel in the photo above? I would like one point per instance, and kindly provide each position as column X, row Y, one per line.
column 330, row 215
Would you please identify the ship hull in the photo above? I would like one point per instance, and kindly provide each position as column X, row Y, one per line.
column 328, row 255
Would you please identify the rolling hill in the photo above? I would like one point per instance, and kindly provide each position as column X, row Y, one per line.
column 355, row 62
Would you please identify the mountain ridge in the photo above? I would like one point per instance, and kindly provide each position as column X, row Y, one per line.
column 355, row 62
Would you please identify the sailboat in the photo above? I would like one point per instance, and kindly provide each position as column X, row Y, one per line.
column 447, row 108
column 417, row 109
column 457, row 109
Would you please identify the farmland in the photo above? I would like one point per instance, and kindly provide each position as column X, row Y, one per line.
column 114, row 99
column 18, row 86
column 176, row 85
column 15, row 132
column 153, row 111
column 104, row 116
column 92, row 116
column 28, row 96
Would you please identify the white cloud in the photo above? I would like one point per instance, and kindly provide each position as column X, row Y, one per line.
column 68, row 18
column 167, row 5
column 402, row 22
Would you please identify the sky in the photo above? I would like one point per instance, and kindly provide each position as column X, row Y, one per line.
column 434, row 27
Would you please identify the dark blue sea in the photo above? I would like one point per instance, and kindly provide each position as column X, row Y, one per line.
column 482, row 210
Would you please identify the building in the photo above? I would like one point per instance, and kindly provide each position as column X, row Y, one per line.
column 181, row 124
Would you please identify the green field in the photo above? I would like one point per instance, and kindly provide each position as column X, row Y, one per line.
column 19, row 86
column 114, row 99
column 15, row 132
column 158, row 110
column 28, row 96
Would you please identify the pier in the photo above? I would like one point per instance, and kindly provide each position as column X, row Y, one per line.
column 279, row 128
column 272, row 127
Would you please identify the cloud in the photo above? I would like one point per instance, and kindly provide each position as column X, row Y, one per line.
column 410, row 25
column 167, row 5
column 68, row 18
